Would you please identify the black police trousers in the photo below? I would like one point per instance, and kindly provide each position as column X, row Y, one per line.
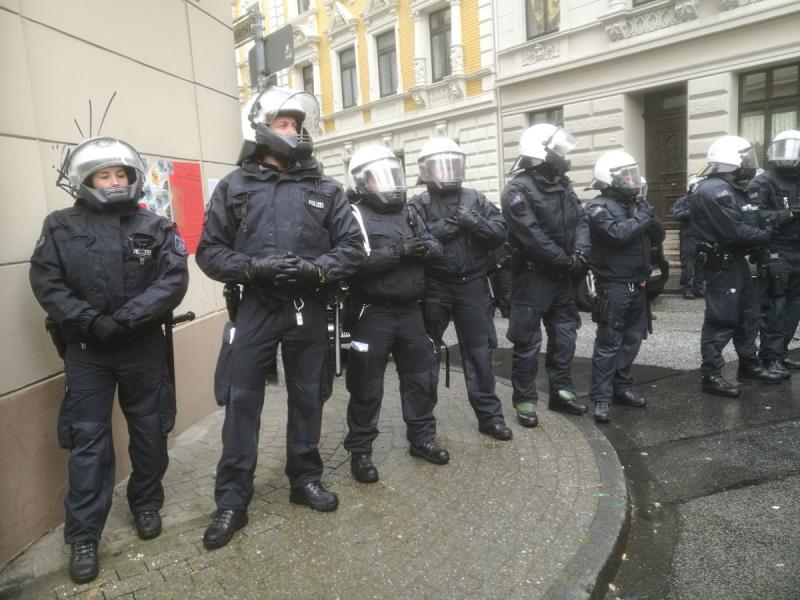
column 501, row 286
column 137, row 369
column 239, row 385
column 536, row 298
column 381, row 330
column 733, row 311
column 469, row 306
column 690, row 281
column 780, row 313
column 620, row 312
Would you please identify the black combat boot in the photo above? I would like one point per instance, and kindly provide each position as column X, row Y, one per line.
column 716, row 385
column 751, row 369
column 315, row 495
column 362, row 468
column 776, row 367
column 630, row 398
column 224, row 523
column 791, row 364
column 148, row 524
column 430, row 451
column 602, row 412
column 83, row 562
column 566, row 401
column 526, row 414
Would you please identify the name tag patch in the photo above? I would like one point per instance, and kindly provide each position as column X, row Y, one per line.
column 316, row 203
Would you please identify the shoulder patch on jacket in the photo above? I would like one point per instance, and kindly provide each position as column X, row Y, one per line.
column 722, row 194
column 180, row 245
column 595, row 209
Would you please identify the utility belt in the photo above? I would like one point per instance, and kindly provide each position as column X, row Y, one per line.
column 458, row 278
column 713, row 256
column 522, row 264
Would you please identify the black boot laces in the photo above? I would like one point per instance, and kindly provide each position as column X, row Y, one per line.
column 223, row 518
column 84, row 551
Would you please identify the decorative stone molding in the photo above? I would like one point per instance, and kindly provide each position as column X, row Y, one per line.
column 387, row 139
column 420, row 70
column 646, row 19
column 349, row 148
column 731, row 4
column 379, row 13
column 341, row 25
column 540, row 52
column 420, row 97
column 457, row 58
column 440, row 129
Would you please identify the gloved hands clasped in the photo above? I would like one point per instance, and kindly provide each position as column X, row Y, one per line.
column 466, row 219
column 289, row 270
column 410, row 247
column 106, row 329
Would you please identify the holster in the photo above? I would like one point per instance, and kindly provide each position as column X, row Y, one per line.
column 55, row 335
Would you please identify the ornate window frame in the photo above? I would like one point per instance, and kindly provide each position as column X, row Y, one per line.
column 380, row 17
column 342, row 34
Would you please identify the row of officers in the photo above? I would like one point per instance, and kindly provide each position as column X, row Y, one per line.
column 109, row 272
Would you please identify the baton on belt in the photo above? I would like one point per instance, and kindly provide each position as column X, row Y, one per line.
column 169, row 322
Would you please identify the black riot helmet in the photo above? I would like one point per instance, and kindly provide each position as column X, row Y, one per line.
column 376, row 175
column 94, row 155
column 264, row 110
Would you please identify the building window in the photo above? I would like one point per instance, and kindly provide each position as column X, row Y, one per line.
column 769, row 102
column 553, row 116
column 387, row 63
column 347, row 70
column 440, row 44
column 308, row 79
column 303, row 6
column 543, row 16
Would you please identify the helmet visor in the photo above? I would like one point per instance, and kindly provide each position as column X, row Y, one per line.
column 380, row 176
column 749, row 160
column 561, row 142
column 626, row 177
column 447, row 167
column 784, row 151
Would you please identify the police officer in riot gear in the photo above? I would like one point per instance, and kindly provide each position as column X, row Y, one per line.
column 108, row 273
column 623, row 230
column 691, row 285
column 776, row 192
column 727, row 232
column 280, row 228
column 386, row 292
column 468, row 226
column 549, row 236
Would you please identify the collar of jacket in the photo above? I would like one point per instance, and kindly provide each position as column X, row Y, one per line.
column 265, row 172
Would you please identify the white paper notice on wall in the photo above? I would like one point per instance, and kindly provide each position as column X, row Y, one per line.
column 212, row 184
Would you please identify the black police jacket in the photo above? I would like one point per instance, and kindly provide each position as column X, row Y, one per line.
column 681, row 213
column 466, row 253
column 777, row 193
column 546, row 222
column 385, row 277
column 623, row 233
column 129, row 264
column 718, row 216
column 257, row 210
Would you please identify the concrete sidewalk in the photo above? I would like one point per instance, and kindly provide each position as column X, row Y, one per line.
column 537, row 517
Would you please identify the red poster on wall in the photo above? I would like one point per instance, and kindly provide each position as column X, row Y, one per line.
column 186, row 191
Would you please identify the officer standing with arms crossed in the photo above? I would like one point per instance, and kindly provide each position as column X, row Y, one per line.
column 281, row 228
column 727, row 233
column 776, row 192
column 468, row 226
column 108, row 273
column 624, row 228
column 386, row 292
column 549, row 236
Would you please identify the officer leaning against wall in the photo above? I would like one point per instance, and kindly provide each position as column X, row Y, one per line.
column 727, row 230
column 776, row 191
column 468, row 226
column 284, row 231
column 624, row 228
column 549, row 236
column 386, row 317
column 108, row 273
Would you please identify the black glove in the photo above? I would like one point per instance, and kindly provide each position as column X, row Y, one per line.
column 271, row 269
column 644, row 212
column 410, row 247
column 106, row 329
column 466, row 219
column 309, row 275
column 579, row 263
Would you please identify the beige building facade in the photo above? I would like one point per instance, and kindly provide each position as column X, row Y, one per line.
column 170, row 63
column 660, row 78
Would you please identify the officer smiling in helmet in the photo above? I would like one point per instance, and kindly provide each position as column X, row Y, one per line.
column 108, row 272
column 776, row 192
column 549, row 236
column 386, row 293
column 721, row 215
column 468, row 226
column 623, row 229
column 284, row 231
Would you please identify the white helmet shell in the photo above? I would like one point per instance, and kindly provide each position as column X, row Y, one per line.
column 730, row 153
column 544, row 142
column 784, row 151
column 441, row 163
column 619, row 170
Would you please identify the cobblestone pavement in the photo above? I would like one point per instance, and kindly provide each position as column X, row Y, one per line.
column 532, row 518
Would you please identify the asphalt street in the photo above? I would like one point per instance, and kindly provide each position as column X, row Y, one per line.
column 713, row 483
